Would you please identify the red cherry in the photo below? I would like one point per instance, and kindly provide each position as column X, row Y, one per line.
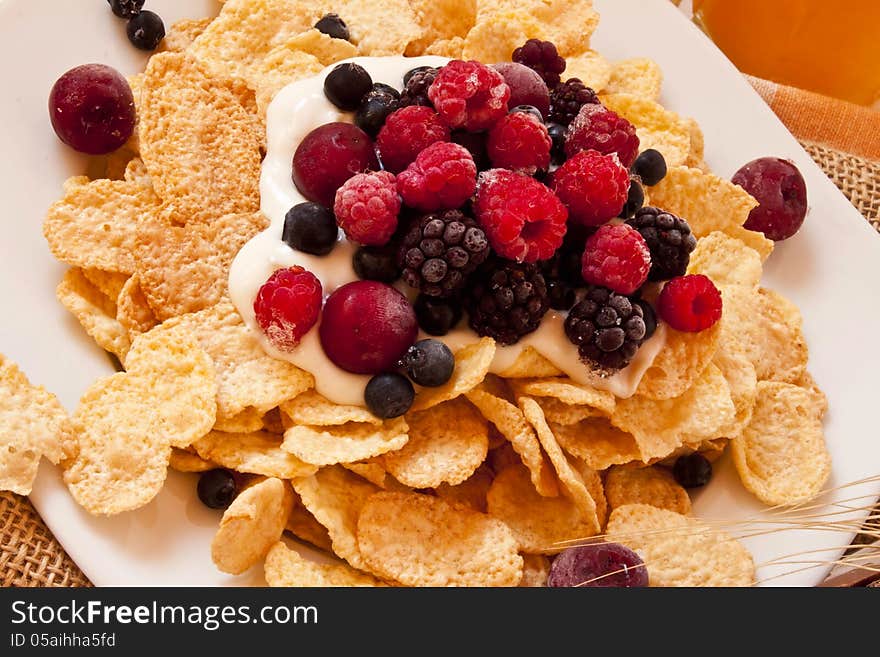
column 328, row 156
column 367, row 326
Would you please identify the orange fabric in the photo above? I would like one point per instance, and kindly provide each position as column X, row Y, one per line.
column 835, row 123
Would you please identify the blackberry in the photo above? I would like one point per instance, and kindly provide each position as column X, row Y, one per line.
column 607, row 328
column 440, row 250
column 506, row 300
column 566, row 100
column 543, row 58
column 669, row 239
column 415, row 92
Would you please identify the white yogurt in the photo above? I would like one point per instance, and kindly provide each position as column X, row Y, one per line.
column 298, row 109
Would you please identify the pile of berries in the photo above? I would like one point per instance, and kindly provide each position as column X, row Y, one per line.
column 486, row 190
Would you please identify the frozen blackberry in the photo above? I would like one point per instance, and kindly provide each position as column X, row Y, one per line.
column 669, row 239
column 415, row 92
column 607, row 328
column 506, row 300
column 440, row 250
column 566, row 100
column 543, row 58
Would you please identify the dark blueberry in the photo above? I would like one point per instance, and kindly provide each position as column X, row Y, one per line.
column 649, row 317
column 146, row 30
column 557, row 136
column 333, row 26
column 346, row 85
column 413, row 71
column 380, row 88
column 217, row 488
column 692, row 471
column 376, row 263
column 126, row 8
column 635, row 199
column 475, row 143
column 429, row 363
column 650, row 167
column 389, row 395
column 375, row 108
column 528, row 109
column 436, row 316
column 310, row 228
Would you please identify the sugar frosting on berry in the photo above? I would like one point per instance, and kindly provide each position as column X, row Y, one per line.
column 297, row 110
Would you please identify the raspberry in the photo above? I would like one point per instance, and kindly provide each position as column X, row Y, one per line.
column 690, row 303
column 593, row 186
column 506, row 300
column 522, row 218
column 440, row 250
column 607, row 328
column 543, row 58
column 469, row 95
column 598, row 128
column 616, row 257
column 669, row 240
column 367, row 206
column 520, row 142
column 406, row 133
column 443, row 177
column 415, row 91
column 287, row 306
column 566, row 100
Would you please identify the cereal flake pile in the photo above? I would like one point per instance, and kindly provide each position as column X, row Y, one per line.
column 487, row 476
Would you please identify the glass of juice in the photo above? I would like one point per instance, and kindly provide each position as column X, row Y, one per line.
column 831, row 47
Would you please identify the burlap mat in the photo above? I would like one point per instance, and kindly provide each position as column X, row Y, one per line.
column 30, row 555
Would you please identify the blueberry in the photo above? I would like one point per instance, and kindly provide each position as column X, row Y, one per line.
column 635, row 199
column 389, row 395
column 145, row 30
column 650, row 167
column 310, row 228
column 557, row 136
column 346, row 85
column 126, row 8
column 376, row 263
column 413, row 71
column 217, row 488
column 648, row 316
column 436, row 316
column 333, row 26
column 375, row 107
column 429, row 363
column 528, row 109
column 692, row 471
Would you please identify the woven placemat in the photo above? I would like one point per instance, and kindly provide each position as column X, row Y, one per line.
column 30, row 555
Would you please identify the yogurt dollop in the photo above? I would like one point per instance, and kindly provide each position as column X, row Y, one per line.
column 298, row 109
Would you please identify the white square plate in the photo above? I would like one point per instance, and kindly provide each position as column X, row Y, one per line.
column 826, row 269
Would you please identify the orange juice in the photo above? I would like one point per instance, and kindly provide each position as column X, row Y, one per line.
column 823, row 45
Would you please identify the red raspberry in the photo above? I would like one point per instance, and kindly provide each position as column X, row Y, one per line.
column 367, row 206
column 520, row 142
column 287, row 306
column 406, row 133
column 598, row 128
column 593, row 186
column 523, row 220
column 443, row 177
column 690, row 303
column 469, row 95
column 616, row 257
